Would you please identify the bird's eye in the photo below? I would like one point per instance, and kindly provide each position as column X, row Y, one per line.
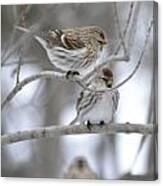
column 104, row 79
column 109, row 85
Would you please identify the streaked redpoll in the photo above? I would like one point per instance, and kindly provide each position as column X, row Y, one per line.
column 76, row 49
column 95, row 106
column 80, row 169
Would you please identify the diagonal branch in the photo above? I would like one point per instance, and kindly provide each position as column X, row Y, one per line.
column 52, row 74
column 20, row 85
column 126, row 27
column 119, row 29
column 138, row 63
column 53, row 131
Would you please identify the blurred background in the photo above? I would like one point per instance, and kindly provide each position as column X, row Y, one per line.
column 49, row 102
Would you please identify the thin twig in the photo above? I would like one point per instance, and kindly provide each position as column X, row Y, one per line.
column 52, row 74
column 17, row 21
column 53, row 131
column 23, row 16
column 18, row 73
column 139, row 61
column 126, row 27
column 34, row 28
column 49, row 74
column 130, row 40
column 18, row 67
column 119, row 29
column 24, row 62
column 20, row 85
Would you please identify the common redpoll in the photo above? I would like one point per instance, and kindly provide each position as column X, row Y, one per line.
column 95, row 106
column 76, row 49
column 80, row 169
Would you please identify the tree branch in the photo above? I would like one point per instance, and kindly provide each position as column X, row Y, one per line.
column 119, row 29
column 138, row 63
column 126, row 27
column 53, row 131
column 50, row 74
column 56, row 75
column 20, row 85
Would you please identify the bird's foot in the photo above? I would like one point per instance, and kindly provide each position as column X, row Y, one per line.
column 102, row 123
column 89, row 125
column 127, row 123
column 70, row 74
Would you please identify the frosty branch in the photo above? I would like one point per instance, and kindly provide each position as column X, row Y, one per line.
column 48, row 75
column 53, row 131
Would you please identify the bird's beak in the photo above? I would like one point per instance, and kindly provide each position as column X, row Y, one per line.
column 109, row 82
column 102, row 41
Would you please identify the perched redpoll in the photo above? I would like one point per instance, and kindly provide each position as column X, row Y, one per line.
column 95, row 106
column 80, row 169
column 76, row 49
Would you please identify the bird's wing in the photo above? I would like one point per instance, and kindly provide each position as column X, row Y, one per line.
column 115, row 99
column 72, row 41
column 85, row 100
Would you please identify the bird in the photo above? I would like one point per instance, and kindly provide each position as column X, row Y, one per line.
column 97, row 107
column 75, row 50
column 80, row 169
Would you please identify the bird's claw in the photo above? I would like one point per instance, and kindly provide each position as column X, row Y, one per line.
column 89, row 125
column 70, row 74
column 102, row 123
column 127, row 123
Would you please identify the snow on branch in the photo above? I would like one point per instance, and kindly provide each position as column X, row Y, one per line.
column 54, row 131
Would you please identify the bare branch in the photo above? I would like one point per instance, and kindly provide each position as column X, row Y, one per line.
column 139, row 61
column 50, row 74
column 18, row 73
column 130, row 39
column 20, row 42
column 18, row 68
column 53, row 131
column 119, row 29
column 57, row 75
column 18, row 20
column 20, row 85
column 126, row 27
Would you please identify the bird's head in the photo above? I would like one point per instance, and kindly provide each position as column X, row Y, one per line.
column 99, row 35
column 107, row 77
column 81, row 162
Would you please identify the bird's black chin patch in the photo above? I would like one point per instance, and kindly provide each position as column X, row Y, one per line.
column 109, row 86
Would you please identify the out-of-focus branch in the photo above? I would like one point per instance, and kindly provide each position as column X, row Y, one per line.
column 133, row 27
column 20, row 85
column 139, row 60
column 33, row 29
column 126, row 26
column 20, row 19
column 18, row 68
column 53, row 131
column 119, row 29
